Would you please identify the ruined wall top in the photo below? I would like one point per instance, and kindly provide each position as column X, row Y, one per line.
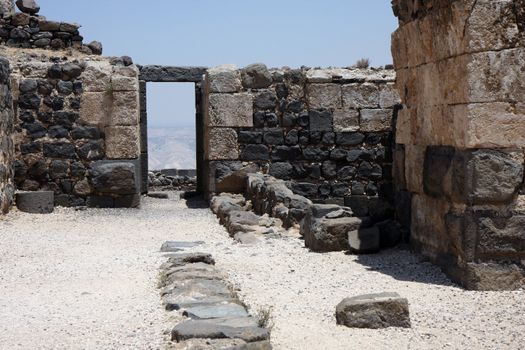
column 27, row 29
column 409, row 10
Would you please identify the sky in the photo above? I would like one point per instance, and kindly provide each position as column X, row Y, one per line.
column 315, row 33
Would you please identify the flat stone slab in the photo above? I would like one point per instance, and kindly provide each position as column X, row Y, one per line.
column 197, row 288
column 171, row 303
column 176, row 246
column 220, row 310
column 41, row 202
column 158, row 195
column 374, row 311
column 181, row 259
column 244, row 328
column 260, row 345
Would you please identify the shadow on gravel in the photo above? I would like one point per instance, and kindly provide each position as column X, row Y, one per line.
column 195, row 200
column 403, row 265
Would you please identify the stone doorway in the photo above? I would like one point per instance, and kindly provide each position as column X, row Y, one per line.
column 170, row 74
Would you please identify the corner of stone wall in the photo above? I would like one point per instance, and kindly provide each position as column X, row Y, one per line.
column 458, row 159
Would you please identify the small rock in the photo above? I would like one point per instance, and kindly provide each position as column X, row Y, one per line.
column 95, row 47
column 374, row 311
column 28, row 6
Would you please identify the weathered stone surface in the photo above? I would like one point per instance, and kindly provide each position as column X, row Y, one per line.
column 224, row 79
column 28, row 6
column 231, row 110
column 241, row 328
column 7, row 8
column 388, row 96
column 189, row 258
column 493, row 276
column 324, row 96
column 124, row 108
column 35, row 202
column 122, row 142
column 210, row 311
column 346, row 120
column 256, row 76
column 114, row 178
column 97, row 77
column 172, row 74
column 360, row 95
column 374, row 120
column 224, row 141
column 174, row 246
column 324, row 235
column 364, row 241
column 374, row 311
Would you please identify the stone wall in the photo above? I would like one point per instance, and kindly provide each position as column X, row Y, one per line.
column 33, row 31
column 7, row 188
column 328, row 132
column 459, row 159
column 76, row 127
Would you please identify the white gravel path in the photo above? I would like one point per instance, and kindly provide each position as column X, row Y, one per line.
column 86, row 280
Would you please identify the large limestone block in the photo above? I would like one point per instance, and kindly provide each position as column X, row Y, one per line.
column 125, row 108
column 493, row 125
column 388, row 96
column 97, row 77
column 361, row 95
column 224, row 79
column 376, row 120
column 123, row 83
column 231, row 110
column 95, row 108
column 122, row 142
column 496, row 76
column 346, row 120
column 222, row 144
column 324, row 96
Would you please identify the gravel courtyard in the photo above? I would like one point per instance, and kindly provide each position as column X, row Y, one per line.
column 87, row 280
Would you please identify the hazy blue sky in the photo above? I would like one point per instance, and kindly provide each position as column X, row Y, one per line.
column 212, row 32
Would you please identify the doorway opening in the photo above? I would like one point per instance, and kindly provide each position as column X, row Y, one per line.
column 171, row 128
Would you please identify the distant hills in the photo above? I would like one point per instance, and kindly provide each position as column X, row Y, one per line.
column 171, row 148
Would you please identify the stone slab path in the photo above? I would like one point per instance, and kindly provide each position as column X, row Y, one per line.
column 87, row 280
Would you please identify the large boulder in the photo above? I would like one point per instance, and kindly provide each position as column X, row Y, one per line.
column 116, row 178
column 374, row 311
column 28, row 6
column 326, row 234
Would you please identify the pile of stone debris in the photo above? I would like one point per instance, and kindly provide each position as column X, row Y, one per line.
column 172, row 180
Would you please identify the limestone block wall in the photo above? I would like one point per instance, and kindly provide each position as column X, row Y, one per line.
column 76, row 127
column 328, row 132
column 459, row 156
column 7, row 188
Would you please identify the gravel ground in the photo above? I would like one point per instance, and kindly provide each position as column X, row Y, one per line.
column 86, row 280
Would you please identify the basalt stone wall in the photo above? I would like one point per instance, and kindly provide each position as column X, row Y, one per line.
column 459, row 158
column 76, row 128
column 33, row 31
column 7, row 188
column 328, row 132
